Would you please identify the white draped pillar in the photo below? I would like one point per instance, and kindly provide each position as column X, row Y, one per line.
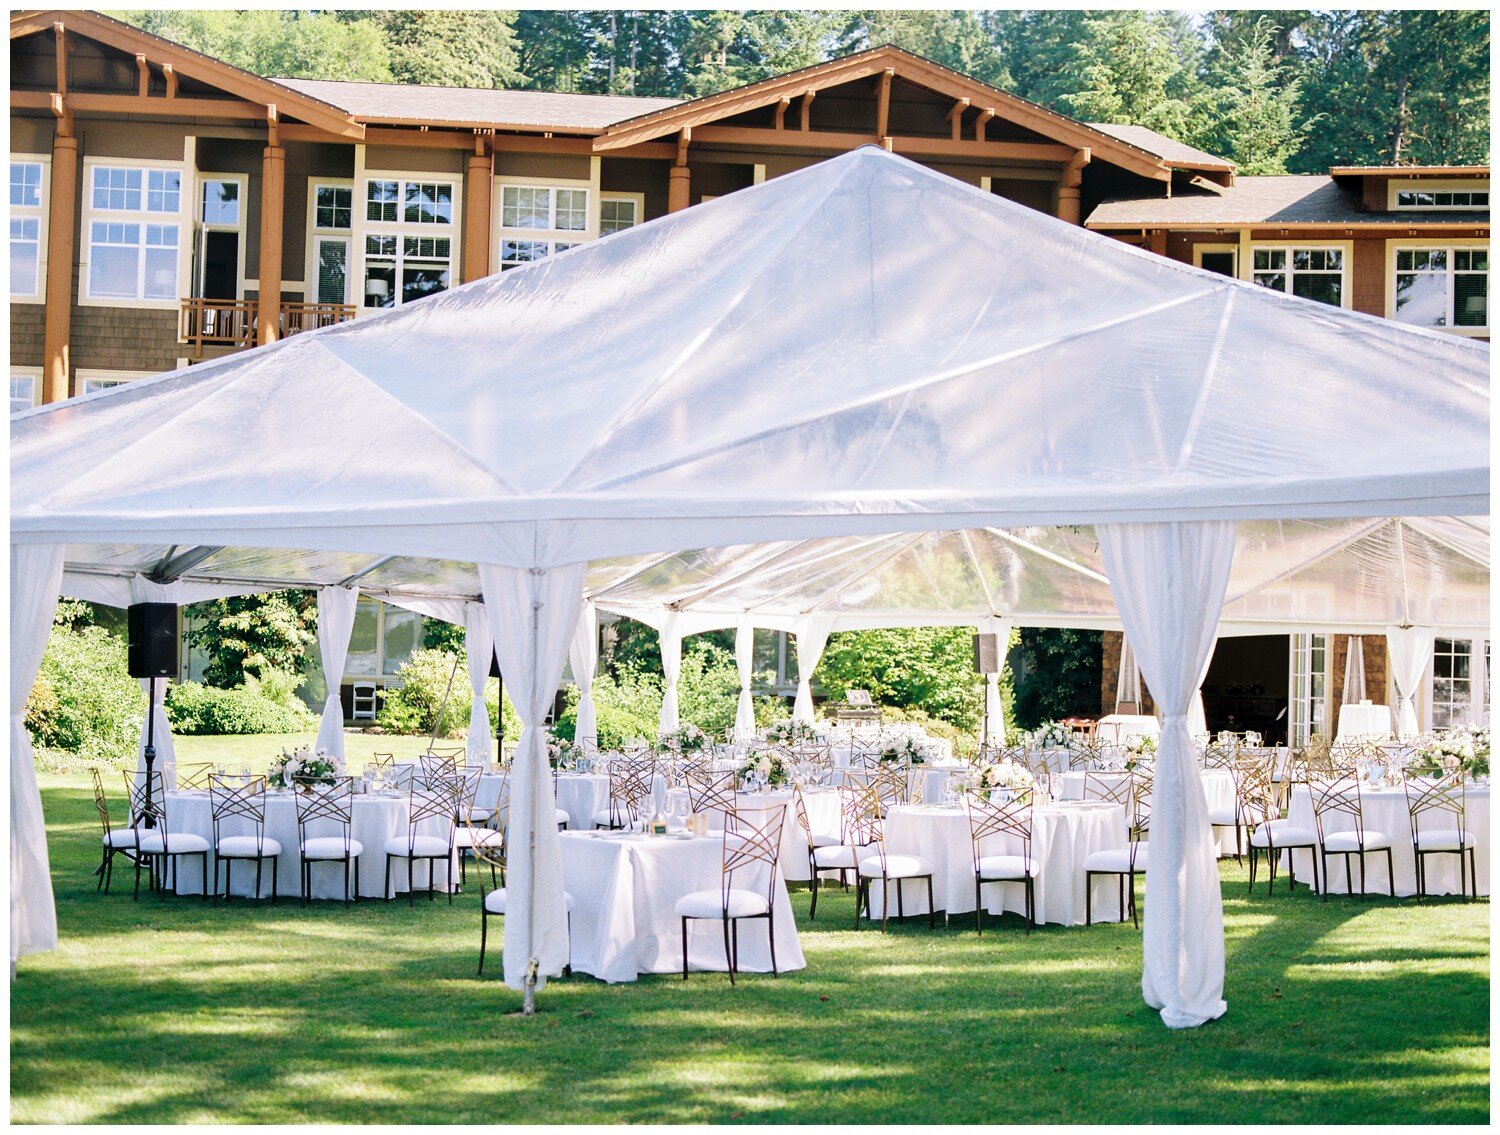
column 35, row 576
column 532, row 615
column 1354, row 671
column 1410, row 651
column 143, row 590
column 1168, row 581
column 583, row 656
column 744, row 660
column 994, row 705
column 479, row 645
column 1197, row 720
column 812, row 636
column 671, row 666
column 1128, row 687
column 336, row 606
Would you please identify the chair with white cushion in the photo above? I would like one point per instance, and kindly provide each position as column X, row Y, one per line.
column 430, row 830
column 710, row 793
column 989, row 821
column 1124, row 863
column 157, row 848
column 753, row 846
column 825, row 852
column 490, row 852
column 472, row 830
column 325, row 832
column 1258, row 797
column 629, row 788
column 1336, row 798
column 1437, row 828
column 239, row 804
column 877, row 864
column 116, row 841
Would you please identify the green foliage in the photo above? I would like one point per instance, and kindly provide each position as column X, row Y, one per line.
column 1253, row 104
column 708, row 687
column 627, row 704
column 268, row 704
column 292, row 44
column 1127, row 69
column 438, row 635
column 414, row 706
column 84, row 702
column 453, row 48
column 928, row 668
column 1061, row 675
column 248, row 634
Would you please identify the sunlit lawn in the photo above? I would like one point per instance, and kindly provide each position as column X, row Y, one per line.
column 1350, row 1010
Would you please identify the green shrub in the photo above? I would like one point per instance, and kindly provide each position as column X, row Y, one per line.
column 197, row 710
column 925, row 668
column 1061, row 676
column 84, row 702
column 412, row 707
column 625, row 706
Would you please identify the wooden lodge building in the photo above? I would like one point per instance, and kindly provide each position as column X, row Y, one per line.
column 167, row 208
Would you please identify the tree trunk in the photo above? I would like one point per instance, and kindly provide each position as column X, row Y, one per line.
column 1403, row 84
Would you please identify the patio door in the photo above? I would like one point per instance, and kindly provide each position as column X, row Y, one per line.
column 1308, row 689
column 331, row 255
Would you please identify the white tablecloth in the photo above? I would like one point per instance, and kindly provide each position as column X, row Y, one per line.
column 625, row 889
column 1062, row 837
column 1364, row 721
column 1385, row 811
column 375, row 820
column 823, row 813
column 1218, row 787
column 1122, row 728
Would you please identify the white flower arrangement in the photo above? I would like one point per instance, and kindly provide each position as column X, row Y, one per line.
column 306, row 766
column 561, row 752
column 1465, row 747
column 792, row 733
column 907, row 749
column 1005, row 773
column 688, row 739
column 1050, row 735
column 769, row 766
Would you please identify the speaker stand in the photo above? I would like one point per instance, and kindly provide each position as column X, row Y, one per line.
column 150, row 753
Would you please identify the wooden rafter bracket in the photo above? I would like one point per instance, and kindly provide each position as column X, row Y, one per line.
column 143, row 71
column 981, row 124
column 60, row 34
column 807, row 101
column 781, row 108
column 683, row 141
column 273, row 125
column 64, row 114
column 956, row 118
column 883, row 104
column 170, row 74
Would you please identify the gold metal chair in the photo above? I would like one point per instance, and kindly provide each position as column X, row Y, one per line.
column 1444, row 798
column 989, row 819
column 753, row 844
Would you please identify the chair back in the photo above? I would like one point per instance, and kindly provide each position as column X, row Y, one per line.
column 629, row 788
column 437, row 764
column 713, row 792
column 861, row 818
column 232, row 798
column 101, row 804
column 1442, row 798
column 147, row 800
column 1219, row 754
column 893, row 783
column 1111, row 787
column 1336, row 793
column 195, row 776
column 435, row 805
column 326, row 803
column 1084, row 752
column 864, row 750
column 1142, row 781
column 1256, row 795
column 989, row 818
column 385, row 761
column 754, row 842
column 804, row 822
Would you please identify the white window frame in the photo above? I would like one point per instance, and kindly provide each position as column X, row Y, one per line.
column 382, row 609
column 1397, row 186
column 37, row 213
column 636, row 199
column 202, row 227
column 35, row 375
column 92, row 381
column 317, row 233
column 399, row 228
column 1344, row 247
column 184, row 219
column 1393, row 247
column 1477, row 706
column 1308, row 689
column 550, row 237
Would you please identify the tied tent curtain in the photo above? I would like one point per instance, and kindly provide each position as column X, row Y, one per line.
column 479, row 644
column 744, row 660
column 1410, row 651
column 336, row 607
column 1354, row 672
column 994, row 704
column 532, row 613
column 583, row 656
column 1128, row 687
column 671, row 666
column 1169, row 580
column 35, row 576
column 812, row 637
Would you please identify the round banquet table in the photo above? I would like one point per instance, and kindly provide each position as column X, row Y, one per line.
column 1063, row 835
column 1385, row 811
column 822, row 813
column 625, row 889
column 1363, row 721
column 375, row 819
column 1218, row 787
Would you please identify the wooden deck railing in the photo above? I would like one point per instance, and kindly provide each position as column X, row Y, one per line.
column 234, row 323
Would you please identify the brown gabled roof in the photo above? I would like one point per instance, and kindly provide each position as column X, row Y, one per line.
column 477, row 107
column 915, row 69
column 215, row 72
column 1179, row 154
column 1410, row 171
column 1291, row 199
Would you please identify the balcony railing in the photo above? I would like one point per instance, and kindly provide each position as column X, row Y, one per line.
column 234, row 323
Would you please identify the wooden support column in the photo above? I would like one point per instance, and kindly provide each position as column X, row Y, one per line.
column 272, row 199
column 1069, row 190
column 62, row 221
column 680, row 183
column 883, row 107
column 478, row 188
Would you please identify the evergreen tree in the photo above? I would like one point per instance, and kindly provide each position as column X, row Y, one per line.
column 294, row 45
column 1254, row 110
column 453, row 48
column 1126, row 69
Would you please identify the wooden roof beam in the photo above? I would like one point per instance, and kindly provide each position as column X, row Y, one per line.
column 785, row 101
column 825, row 140
column 807, row 101
column 956, row 118
column 981, row 124
column 883, row 106
column 60, row 33
column 143, row 70
column 135, row 104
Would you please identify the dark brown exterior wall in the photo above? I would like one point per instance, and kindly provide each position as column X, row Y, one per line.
column 1377, row 668
column 26, row 334
column 637, row 175
column 1367, row 277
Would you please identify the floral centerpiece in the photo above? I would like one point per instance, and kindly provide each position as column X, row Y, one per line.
column 1139, row 750
column 1463, row 747
column 688, row 739
column 562, row 753
column 301, row 767
column 792, row 733
column 907, row 749
column 769, row 765
column 1004, row 773
column 1051, row 735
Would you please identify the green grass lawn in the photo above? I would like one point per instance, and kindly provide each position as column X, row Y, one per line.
column 175, row 1011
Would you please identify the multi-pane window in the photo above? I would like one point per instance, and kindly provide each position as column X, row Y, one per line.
column 400, row 269
column 1442, row 287
column 136, row 190
column 514, row 253
column 428, row 203
column 133, row 248
column 334, row 208
column 617, row 213
column 25, row 229
column 380, row 200
column 1442, row 199
column 1452, row 682
column 22, row 391
column 543, row 208
column 383, row 638
column 1312, row 273
column 221, row 203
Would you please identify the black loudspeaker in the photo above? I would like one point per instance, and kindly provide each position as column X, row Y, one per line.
column 152, row 629
column 987, row 653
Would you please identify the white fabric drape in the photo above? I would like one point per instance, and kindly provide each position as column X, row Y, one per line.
column 1128, row 687
column 583, row 656
column 1354, row 671
column 1169, row 581
column 143, row 590
column 336, row 606
column 812, row 637
column 479, row 644
column 671, row 666
column 744, row 659
column 35, row 575
column 532, row 614
column 1410, row 651
column 1197, row 720
column 994, row 704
